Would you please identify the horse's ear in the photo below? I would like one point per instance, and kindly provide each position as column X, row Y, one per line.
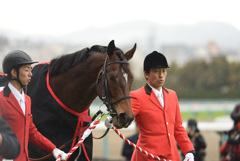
column 130, row 53
column 111, row 48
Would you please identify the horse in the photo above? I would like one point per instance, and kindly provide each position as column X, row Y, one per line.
column 63, row 90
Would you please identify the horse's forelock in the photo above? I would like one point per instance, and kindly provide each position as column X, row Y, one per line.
column 120, row 54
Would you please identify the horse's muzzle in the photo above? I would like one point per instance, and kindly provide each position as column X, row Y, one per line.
column 122, row 120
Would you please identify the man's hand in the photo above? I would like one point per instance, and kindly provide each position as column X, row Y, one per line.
column 189, row 157
column 56, row 152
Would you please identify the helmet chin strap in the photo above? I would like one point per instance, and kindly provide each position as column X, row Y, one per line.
column 17, row 79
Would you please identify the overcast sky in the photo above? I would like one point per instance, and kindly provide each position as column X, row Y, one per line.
column 59, row 17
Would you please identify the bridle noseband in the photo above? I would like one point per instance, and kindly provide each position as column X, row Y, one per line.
column 106, row 98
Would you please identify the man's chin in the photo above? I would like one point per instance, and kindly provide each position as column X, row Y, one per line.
column 160, row 84
column 25, row 85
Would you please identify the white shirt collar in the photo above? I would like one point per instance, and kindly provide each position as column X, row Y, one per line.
column 158, row 93
column 16, row 93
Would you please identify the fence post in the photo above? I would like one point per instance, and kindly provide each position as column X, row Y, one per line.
column 105, row 147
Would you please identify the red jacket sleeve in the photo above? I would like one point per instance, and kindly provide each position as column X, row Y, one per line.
column 35, row 137
column 223, row 149
column 39, row 140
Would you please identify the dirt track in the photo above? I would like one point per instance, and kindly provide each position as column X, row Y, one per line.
column 113, row 145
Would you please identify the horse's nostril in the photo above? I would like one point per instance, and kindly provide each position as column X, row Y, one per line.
column 124, row 119
column 122, row 116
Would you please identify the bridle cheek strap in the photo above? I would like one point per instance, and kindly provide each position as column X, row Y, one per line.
column 105, row 91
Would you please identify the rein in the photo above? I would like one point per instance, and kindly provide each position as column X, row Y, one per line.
column 105, row 92
column 148, row 154
column 84, row 136
column 61, row 147
column 109, row 125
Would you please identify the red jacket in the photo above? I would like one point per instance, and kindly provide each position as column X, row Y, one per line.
column 159, row 128
column 21, row 124
column 230, row 152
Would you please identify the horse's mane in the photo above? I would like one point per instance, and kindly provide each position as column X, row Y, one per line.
column 65, row 62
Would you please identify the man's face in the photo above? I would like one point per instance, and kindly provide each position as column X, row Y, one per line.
column 25, row 74
column 156, row 77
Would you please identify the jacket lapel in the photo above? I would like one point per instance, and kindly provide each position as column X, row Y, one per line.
column 12, row 100
column 27, row 105
column 166, row 98
column 152, row 96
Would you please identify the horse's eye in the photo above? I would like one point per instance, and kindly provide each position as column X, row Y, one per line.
column 112, row 78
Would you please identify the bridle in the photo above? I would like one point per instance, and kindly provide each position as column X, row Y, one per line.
column 106, row 98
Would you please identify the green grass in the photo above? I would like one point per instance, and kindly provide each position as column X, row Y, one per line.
column 199, row 116
column 103, row 117
column 204, row 115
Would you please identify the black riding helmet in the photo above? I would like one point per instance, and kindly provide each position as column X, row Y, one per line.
column 155, row 60
column 192, row 124
column 15, row 59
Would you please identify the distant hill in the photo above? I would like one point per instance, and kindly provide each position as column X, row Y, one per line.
column 144, row 32
column 148, row 34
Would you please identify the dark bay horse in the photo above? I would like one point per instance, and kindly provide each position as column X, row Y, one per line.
column 63, row 90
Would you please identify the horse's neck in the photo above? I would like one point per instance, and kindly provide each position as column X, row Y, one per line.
column 77, row 87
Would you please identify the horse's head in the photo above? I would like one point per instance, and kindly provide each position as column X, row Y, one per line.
column 115, row 83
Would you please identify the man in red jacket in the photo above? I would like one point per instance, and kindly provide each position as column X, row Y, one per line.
column 158, row 116
column 15, row 106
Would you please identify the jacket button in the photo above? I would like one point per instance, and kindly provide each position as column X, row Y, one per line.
column 166, row 123
column 168, row 134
